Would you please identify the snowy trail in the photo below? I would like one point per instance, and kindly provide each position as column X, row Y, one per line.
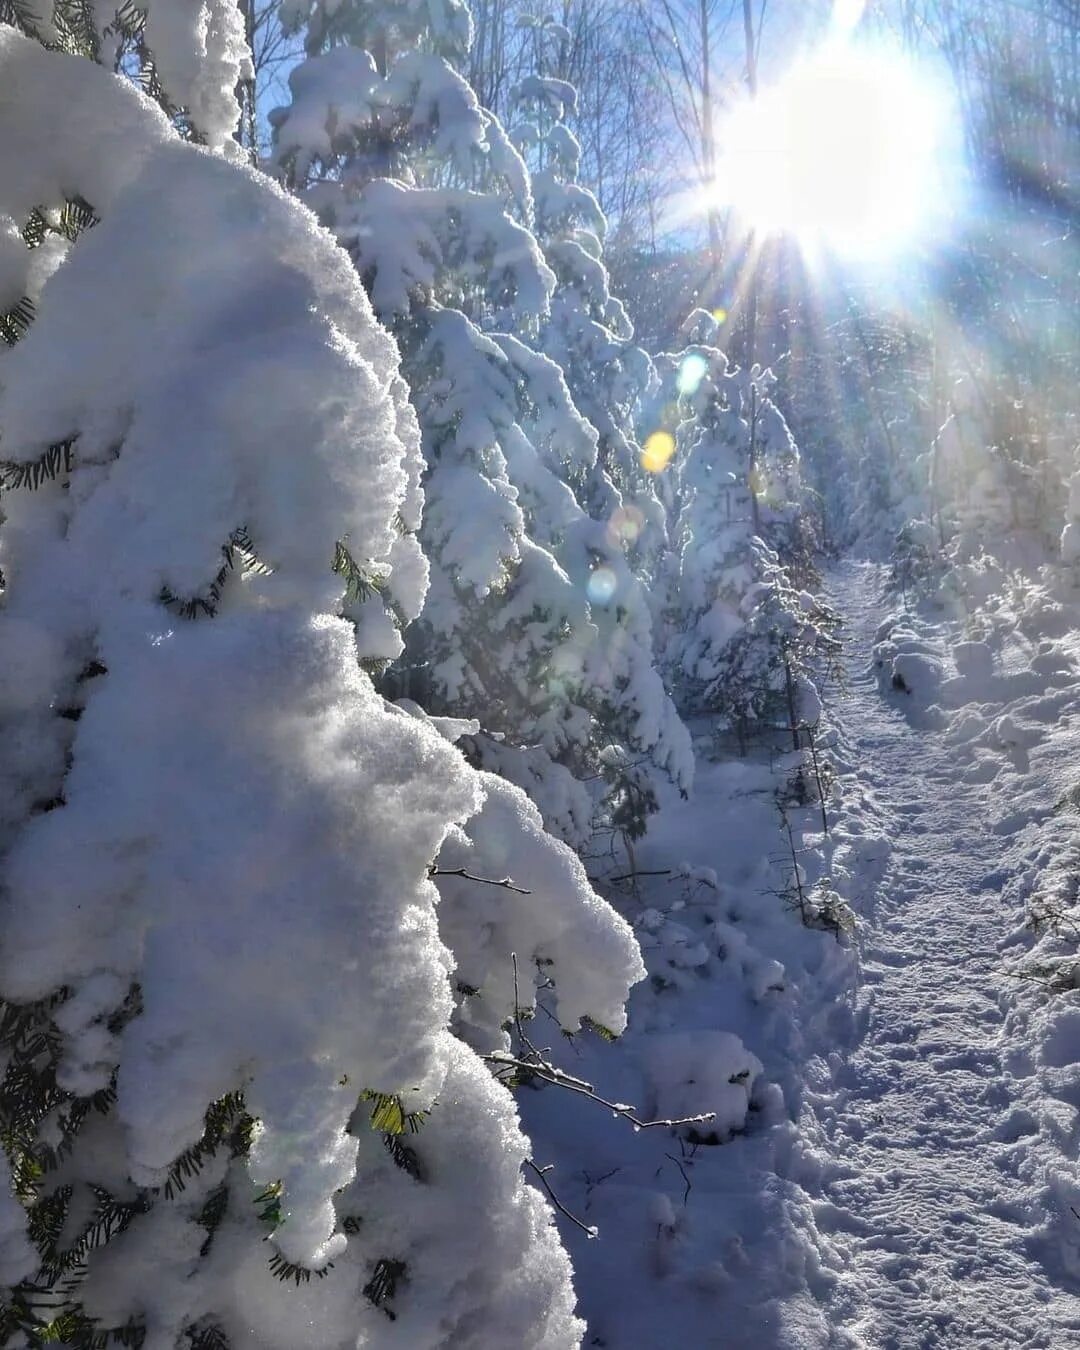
column 933, row 1193
column 908, row 1177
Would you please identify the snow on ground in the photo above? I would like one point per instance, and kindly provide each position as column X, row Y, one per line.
column 695, row 1226
column 945, row 1142
column 896, row 1166
column 715, row 1223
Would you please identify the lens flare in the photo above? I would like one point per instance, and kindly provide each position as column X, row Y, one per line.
column 657, row 450
column 625, row 525
column 601, row 585
column 691, row 372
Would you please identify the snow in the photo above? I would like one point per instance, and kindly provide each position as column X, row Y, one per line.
column 560, row 929
column 218, row 836
column 485, row 1266
column 330, row 95
column 537, row 621
column 18, row 1259
column 906, row 665
column 294, row 940
column 901, row 1170
column 696, row 1072
column 974, row 659
column 943, row 1181
column 14, row 266
column 707, row 1221
column 200, row 56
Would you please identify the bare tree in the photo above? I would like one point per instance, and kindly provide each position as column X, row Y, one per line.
column 598, row 47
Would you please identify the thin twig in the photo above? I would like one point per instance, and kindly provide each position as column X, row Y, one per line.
column 585, row 1228
column 535, row 1062
column 820, row 785
column 592, row 1182
column 697, row 881
column 505, row 882
column 682, row 1169
column 519, row 1026
column 1047, row 983
column 550, row 1074
column 538, row 1065
column 629, row 876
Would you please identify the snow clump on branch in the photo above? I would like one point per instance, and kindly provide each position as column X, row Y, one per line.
column 217, row 836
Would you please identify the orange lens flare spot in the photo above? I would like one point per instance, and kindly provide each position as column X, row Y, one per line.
column 657, row 450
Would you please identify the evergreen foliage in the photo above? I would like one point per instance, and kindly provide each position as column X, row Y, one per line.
column 225, row 1029
column 745, row 636
column 535, row 623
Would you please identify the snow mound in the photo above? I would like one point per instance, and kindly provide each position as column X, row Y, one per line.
column 693, row 1072
column 974, row 659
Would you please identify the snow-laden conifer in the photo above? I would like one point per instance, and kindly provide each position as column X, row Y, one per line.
column 588, row 332
column 191, row 56
column 534, row 622
column 741, row 630
column 225, row 992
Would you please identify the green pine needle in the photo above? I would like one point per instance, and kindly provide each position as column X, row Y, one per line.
column 383, row 1285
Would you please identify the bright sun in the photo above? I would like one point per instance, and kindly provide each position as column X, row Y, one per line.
column 847, row 153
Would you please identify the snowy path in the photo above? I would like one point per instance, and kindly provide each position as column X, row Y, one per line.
column 933, row 1195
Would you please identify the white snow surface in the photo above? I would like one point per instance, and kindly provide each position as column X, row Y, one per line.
column 945, row 1134
column 904, row 1177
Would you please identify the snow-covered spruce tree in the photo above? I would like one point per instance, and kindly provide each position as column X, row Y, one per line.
column 742, row 633
column 974, row 487
column 225, row 999
column 534, row 623
column 620, row 537
column 854, row 395
column 588, row 332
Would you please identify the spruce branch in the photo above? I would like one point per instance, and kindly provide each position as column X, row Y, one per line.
column 75, row 24
column 238, row 554
column 56, row 461
column 129, row 21
column 19, row 14
column 226, row 1121
column 207, row 1337
column 285, row 1270
column 211, row 1215
column 383, row 1285
column 404, row 1156
column 15, row 322
column 389, row 1115
column 360, row 583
